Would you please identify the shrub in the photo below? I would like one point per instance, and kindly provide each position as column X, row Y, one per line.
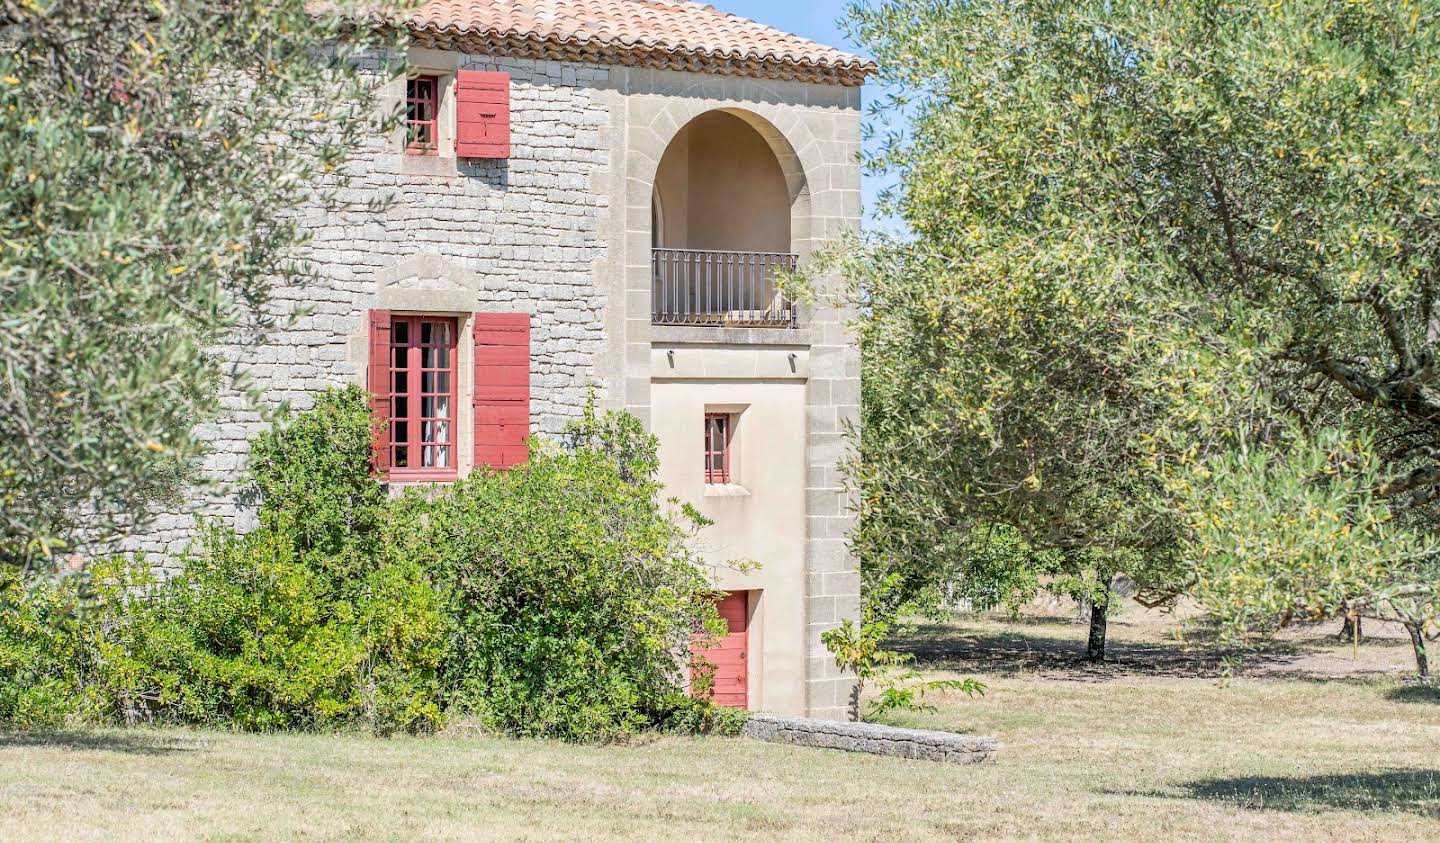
column 574, row 596
column 558, row 599
column 41, row 658
column 297, row 624
column 312, row 472
column 300, row 623
column 691, row 715
column 253, row 634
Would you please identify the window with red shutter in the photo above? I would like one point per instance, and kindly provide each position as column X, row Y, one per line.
column 502, row 389
column 419, row 370
column 718, row 431
column 482, row 114
column 422, row 115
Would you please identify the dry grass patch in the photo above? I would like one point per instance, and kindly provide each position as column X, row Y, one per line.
column 1132, row 751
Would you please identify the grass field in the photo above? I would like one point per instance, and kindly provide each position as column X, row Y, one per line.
column 1302, row 742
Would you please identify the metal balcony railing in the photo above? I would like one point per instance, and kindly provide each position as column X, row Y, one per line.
column 725, row 289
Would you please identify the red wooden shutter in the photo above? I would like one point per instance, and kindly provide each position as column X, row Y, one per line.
column 502, row 389
column 482, row 114
column 378, row 382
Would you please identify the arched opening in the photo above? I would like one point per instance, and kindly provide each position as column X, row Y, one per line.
column 721, row 227
column 720, row 187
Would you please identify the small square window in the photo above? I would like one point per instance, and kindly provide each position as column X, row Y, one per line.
column 719, row 433
column 422, row 115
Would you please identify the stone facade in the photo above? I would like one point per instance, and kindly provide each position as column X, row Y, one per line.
column 561, row 231
column 520, row 235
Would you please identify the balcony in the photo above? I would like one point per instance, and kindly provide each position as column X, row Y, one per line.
column 721, row 228
column 721, row 289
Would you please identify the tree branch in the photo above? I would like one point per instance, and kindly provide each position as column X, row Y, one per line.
column 1227, row 221
column 1390, row 323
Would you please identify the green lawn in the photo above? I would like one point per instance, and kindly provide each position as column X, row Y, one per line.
column 1158, row 747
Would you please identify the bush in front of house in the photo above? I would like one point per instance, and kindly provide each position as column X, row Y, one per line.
column 40, row 654
column 258, row 633
column 297, row 624
column 557, row 599
column 573, row 592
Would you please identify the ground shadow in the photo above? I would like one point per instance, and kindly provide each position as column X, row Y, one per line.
column 131, row 743
column 1027, row 648
column 1415, row 694
column 1412, row 791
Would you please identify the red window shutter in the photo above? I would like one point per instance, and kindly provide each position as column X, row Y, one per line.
column 378, row 382
column 502, row 389
column 482, row 114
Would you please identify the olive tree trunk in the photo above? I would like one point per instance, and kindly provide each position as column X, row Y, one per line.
column 1095, row 648
column 1417, row 640
column 1352, row 630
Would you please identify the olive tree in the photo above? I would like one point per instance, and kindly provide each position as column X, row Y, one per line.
column 1297, row 528
column 1010, row 342
column 153, row 155
column 1154, row 232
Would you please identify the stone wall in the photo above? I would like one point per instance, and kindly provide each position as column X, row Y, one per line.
column 872, row 738
column 525, row 233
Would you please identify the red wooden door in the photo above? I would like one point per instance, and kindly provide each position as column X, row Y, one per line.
column 731, row 655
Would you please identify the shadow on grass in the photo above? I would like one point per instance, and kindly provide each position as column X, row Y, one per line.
column 1027, row 648
column 123, row 742
column 1412, row 791
column 1415, row 694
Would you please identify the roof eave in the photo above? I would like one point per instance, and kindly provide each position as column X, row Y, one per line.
column 852, row 73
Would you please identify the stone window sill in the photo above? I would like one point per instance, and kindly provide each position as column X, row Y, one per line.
column 429, row 165
column 403, row 477
column 726, row 490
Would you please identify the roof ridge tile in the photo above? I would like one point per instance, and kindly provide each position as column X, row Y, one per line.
column 667, row 34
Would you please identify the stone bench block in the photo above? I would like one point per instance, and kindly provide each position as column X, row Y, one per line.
column 872, row 738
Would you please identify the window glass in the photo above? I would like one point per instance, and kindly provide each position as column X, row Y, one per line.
column 717, row 448
column 422, row 108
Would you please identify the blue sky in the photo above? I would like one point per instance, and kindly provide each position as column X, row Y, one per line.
column 813, row 19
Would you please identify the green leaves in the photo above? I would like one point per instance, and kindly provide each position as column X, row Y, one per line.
column 1009, row 347
column 312, row 472
column 860, row 650
column 1297, row 529
column 153, row 157
column 1168, row 258
column 574, row 594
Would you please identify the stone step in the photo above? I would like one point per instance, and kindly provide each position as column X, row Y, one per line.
column 873, row 738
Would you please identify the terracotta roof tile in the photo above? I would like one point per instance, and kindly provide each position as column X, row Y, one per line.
column 672, row 34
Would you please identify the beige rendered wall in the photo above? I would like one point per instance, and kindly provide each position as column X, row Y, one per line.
column 759, row 516
column 813, row 132
column 720, row 187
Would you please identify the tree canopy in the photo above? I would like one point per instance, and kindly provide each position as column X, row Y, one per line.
column 1143, row 234
column 154, row 155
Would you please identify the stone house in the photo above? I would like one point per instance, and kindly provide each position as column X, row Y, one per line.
column 597, row 195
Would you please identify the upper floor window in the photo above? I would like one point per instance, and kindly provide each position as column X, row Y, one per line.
column 422, row 115
column 422, row 397
column 719, row 429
